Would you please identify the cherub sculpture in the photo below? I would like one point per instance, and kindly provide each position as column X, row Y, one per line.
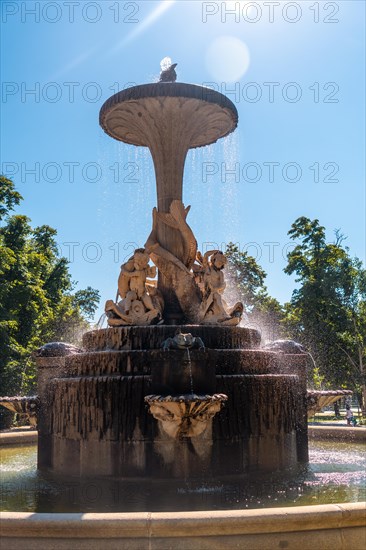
column 141, row 302
column 208, row 273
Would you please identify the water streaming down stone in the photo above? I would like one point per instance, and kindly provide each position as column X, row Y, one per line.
column 96, row 421
column 190, row 370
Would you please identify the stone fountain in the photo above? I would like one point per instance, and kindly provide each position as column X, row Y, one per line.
column 173, row 387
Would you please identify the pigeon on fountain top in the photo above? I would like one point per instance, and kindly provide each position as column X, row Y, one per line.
column 168, row 73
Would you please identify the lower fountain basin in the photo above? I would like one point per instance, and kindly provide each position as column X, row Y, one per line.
column 321, row 508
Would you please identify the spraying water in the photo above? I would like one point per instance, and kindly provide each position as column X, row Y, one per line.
column 101, row 320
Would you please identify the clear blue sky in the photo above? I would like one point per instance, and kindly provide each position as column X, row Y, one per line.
column 295, row 71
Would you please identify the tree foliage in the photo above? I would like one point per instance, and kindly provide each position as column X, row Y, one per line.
column 9, row 197
column 327, row 312
column 37, row 302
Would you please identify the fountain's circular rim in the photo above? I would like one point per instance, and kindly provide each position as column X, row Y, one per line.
column 172, row 90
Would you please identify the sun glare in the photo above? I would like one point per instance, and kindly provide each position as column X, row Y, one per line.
column 227, row 59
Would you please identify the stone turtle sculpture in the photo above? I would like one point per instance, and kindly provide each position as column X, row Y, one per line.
column 56, row 349
column 183, row 341
column 285, row 346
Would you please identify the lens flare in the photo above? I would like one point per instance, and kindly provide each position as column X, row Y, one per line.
column 227, row 59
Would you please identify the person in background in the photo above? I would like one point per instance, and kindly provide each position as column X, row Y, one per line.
column 351, row 421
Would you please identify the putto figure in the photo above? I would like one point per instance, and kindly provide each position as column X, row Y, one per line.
column 209, row 276
column 141, row 302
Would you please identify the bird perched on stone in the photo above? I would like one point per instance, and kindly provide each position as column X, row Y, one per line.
column 169, row 75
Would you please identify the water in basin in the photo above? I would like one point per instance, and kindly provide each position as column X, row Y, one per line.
column 336, row 473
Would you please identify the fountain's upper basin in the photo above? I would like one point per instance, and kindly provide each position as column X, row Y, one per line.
column 220, row 362
column 139, row 114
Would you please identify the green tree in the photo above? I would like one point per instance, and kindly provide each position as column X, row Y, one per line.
column 9, row 197
column 246, row 283
column 327, row 312
column 37, row 302
column 86, row 301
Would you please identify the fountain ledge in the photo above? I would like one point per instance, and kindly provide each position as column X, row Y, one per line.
column 18, row 438
column 342, row 433
column 335, row 526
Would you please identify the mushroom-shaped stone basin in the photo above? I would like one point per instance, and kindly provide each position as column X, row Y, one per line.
column 169, row 119
column 26, row 407
column 184, row 416
column 317, row 399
